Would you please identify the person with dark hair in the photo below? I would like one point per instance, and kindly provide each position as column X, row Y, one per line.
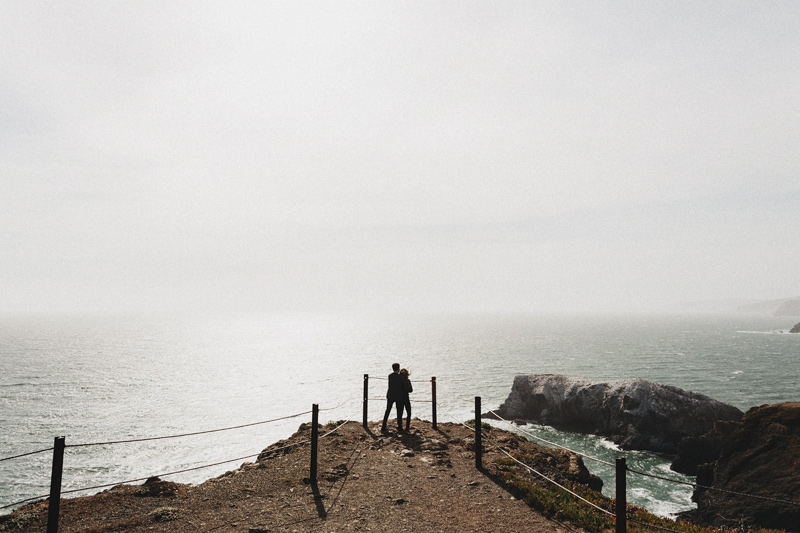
column 394, row 396
column 407, row 388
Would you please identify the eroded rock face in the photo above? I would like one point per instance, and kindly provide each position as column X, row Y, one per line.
column 694, row 452
column 634, row 413
column 760, row 456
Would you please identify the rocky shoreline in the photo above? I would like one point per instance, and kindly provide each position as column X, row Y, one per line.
column 755, row 453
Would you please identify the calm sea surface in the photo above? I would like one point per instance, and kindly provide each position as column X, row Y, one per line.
column 110, row 379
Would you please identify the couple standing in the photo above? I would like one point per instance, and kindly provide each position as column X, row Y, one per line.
column 399, row 387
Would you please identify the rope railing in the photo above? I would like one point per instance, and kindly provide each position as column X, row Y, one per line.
column 298, row 443
column 706, row 487
column 531, row 435
column 454, row 420
column 378, row 399
column 350, row 399
column 251, row 456
column 106, row 485
column 26, row 500
column 195, row 433
column 50, row 449
column 554, row 482
column 337, row 428
column 165, row 474
column 126, row 482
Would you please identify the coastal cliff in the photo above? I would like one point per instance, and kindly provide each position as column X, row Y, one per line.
column 634, row 413
column 422, row 480
column 759, row 456
column 731, row 453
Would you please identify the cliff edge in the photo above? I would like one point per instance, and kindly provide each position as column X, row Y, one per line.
column 424, row 480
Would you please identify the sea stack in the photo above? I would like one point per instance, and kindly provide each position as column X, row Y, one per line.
column 634, row 413
column 795, row 329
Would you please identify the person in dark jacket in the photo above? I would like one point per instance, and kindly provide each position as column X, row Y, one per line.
column 394, row 396
column 407, row 388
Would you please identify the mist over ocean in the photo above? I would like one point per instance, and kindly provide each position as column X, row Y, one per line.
column 99, row 379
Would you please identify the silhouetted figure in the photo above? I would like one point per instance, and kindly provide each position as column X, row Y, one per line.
column 394, row 396
column 407, row 388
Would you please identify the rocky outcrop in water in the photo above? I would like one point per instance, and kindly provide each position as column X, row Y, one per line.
column 634, row 413
column 795, row 329
column 759, row 456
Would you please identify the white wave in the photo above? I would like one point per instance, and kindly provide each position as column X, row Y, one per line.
column 610, row 445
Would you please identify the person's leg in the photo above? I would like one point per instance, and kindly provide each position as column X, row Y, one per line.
column 399, row 414
column 402, row 411
column 386, row 414
column 408, row 414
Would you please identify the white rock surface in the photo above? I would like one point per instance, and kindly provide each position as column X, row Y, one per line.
column 633, row 413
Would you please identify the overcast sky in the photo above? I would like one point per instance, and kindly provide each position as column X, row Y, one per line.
column 432, row 156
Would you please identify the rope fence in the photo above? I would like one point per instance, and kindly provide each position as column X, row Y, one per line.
column 146, row 439
column 620, row 465
column 60, row 446
column 26, row 454
column 706, row 487
column 554, row 482
column 534, row 437
column 71, row 491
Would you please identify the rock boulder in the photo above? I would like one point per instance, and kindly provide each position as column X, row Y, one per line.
column 634, row 413
column 760, row 457
column 795, row 329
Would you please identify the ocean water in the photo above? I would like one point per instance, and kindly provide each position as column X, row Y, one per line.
column 102, row 379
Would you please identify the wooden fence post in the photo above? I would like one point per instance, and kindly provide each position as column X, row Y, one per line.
column 622, row 499
column 366, row 401
column 478, row 444
column 314, row 439
column 433, row 400
column 54, row 502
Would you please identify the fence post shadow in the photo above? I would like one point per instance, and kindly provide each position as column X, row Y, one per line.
column 320, row 505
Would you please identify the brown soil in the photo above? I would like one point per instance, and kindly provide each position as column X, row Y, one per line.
column 424, row 480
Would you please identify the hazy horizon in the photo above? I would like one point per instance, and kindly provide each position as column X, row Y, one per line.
column 369, row 157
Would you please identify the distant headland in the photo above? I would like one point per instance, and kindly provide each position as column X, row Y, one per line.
column 780, row 307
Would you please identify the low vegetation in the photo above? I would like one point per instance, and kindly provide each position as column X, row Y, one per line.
column 554, row 502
